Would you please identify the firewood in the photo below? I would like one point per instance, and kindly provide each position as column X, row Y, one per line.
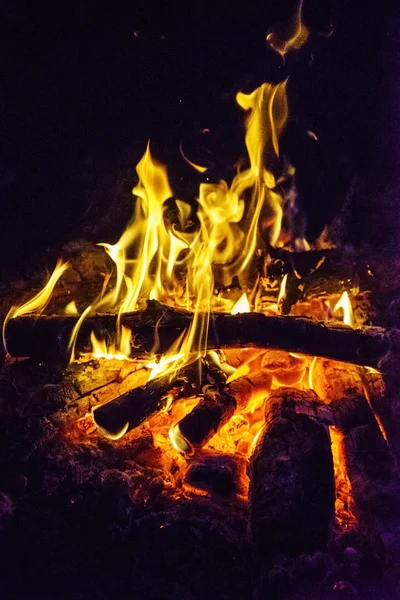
column 196, row 428
column 155, row 329
column 369, row 462
column 285, row 368
column 317, row 273
column 131, row 409
column 292, row 490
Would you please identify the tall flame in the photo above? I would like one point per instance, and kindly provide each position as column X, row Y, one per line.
column 163, row 255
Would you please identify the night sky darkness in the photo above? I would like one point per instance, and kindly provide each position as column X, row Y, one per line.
column 84, row 85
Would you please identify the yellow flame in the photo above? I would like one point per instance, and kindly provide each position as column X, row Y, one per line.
column 282, row 289
column 100, row 348
column 198, row 168
column 170, row 250
column 286, row 37
column 344, row 304
column 241, row 306
column 38, row 303
column 311, row 372
column 71, row 308
column 179, row 442
column 241, row 371
column 267, row 110
column 157, row 368
column 75, row 331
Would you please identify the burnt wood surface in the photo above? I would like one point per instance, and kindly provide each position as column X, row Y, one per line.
column 370, row 464
column 137, row 405
column 213, row 410
column 292, row 489
column 155, row 329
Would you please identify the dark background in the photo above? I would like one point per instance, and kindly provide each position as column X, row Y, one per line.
column 84, row 85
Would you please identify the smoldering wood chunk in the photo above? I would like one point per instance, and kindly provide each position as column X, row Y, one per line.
column 222, row 474
column 245, row 389
column 292, row 489
column 240, row 356
column 369, row 462
column 196, row 428
column 287, row 369
column 134, row 407
column 287, row 401
column 340, row 385
column 372, row 471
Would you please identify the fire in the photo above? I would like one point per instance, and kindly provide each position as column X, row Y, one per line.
column 186, row 256
column 290, row 36
column 344, row 305
column 344, row 506
column 38, row 303
column 241, row 306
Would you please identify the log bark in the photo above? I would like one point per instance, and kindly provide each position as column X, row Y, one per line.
column 155, row 329
column 292, row 490
column 134, row 407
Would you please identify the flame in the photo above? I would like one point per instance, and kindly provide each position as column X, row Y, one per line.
column 290, row 36
column 38, row 303
column 344, row 304
column 100, row 348
column 344, row 505
column 198, row 168
column 71, row 308
column 241, row 306
column 179, row 442
column 168, row 259
column 282, row 290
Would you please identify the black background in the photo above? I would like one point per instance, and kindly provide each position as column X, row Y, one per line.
column 84, row 85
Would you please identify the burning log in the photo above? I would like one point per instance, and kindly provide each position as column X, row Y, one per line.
column 134, row 407
column 214, row 409
column 369, row 462
column 155, row 329
column 292, row 489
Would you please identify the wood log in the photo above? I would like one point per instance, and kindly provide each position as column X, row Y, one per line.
column 317, row 273
column 155, row 329
column 369, row 462
column 196, row 428
column 134, row 407
column 292, row 490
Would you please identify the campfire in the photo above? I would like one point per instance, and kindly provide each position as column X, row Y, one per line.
column 213, row 358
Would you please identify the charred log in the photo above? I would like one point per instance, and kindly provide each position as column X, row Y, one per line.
column 136, row 406
column 292, row 490
column 214, row 409
column 370, row 465
column 155, row 329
